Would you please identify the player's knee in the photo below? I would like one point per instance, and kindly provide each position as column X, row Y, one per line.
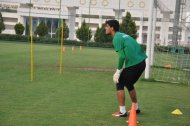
column 130, row 87
column 119, row 86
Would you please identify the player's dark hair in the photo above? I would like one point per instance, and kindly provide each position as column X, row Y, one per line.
column 114, row 24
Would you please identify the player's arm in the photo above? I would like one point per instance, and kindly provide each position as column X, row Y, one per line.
column 118, row 47
column 121, row 59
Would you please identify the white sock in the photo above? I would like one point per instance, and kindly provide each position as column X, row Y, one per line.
column 122, row 109
column 137, row 106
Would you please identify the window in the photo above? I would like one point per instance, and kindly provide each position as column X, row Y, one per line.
column 170, row 28
column 157, row 28
column 157, row 36
column 136, row 18
column 145, row 28
column 158, row 19
column 49, row 23
column 145, row 19
column 54, row 25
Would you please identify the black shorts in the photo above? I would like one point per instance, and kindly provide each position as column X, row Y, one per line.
column 130, row 75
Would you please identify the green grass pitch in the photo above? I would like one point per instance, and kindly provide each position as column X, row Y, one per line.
column 84, row 95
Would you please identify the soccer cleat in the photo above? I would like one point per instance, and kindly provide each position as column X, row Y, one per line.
column 119, row 114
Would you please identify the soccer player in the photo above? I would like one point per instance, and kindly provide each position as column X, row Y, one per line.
column 131, row 64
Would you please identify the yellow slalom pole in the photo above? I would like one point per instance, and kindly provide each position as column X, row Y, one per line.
column 31, row 52
column 61, row 50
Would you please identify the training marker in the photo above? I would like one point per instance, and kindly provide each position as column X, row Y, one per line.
column 177, row 112
column 132, row 116
column 64, row 49
column 168, row 66
column 72, row 48
column 80, row 48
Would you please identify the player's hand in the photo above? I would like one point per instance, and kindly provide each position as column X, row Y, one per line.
column 116, row 76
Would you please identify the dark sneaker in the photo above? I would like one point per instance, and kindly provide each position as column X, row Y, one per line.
column 119, row 114
column 137, row 111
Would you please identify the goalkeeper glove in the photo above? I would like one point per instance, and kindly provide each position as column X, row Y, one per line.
column 116, row 76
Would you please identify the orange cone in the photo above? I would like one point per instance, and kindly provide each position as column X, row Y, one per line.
column 132, row 116
column 168, row 66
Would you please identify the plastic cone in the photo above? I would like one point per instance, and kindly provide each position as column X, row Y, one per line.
column 64, row 49
column 80, row 48
column 168, row 66
column 177, row 112
column 73, row 48
column 132, row 116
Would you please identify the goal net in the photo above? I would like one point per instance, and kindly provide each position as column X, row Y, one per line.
column 171, row 64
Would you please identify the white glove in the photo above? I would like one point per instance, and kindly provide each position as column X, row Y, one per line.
column 116, row 76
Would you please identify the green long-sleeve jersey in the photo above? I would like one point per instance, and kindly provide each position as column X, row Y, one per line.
column 128, row 50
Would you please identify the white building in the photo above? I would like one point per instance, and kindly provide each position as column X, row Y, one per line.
column 75, row 11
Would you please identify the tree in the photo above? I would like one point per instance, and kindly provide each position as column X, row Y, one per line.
column 65, row 31
column 84, row 33
column 2, row 25
column 19, row 28
column 128, row 26
column 41, row 29
column 101, row 36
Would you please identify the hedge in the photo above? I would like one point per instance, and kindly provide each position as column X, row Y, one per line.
column 48, row 40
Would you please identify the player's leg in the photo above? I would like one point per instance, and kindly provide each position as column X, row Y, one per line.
column 134, row 73
column 133, row 95
column 121, row 99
